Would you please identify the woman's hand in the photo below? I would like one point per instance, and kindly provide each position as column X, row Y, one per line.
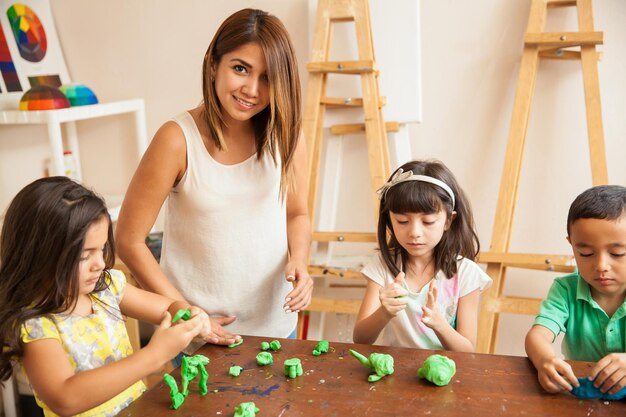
column 212, row 330
column 300, row 297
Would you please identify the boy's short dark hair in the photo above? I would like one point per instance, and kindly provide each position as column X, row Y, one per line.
column 600, row 202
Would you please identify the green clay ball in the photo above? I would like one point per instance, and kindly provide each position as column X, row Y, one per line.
column 235, row 370
column 264, row 358
column 235, row 344
column 265, row 346
column 246, row 410
column 275, row 345
column 321, row 347
column 438, row 369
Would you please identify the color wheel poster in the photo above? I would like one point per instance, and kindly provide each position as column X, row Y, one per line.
column 30, row 52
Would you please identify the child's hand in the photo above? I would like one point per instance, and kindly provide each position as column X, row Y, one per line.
column 393, row 296
column 300, row 297
column 432, row 317
column 212, row 330
column 167, row 340
column 609, row 374
column 556, row 375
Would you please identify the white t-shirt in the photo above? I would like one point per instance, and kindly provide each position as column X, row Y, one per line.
column 406, row 329
column 225, row 239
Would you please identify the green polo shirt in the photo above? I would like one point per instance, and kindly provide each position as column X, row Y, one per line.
column 589, row 332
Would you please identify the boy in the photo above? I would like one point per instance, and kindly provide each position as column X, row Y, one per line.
column 589, row 305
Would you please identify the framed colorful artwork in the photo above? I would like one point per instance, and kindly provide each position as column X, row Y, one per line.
column 30, row 52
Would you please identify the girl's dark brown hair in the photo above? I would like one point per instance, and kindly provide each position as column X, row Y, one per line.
column 277, row 127
column 41, row 245
column 423, row 197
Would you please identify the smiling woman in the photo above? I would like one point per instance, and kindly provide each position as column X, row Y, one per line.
column 233, row 173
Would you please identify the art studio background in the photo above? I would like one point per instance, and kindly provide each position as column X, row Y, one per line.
column 466, row 58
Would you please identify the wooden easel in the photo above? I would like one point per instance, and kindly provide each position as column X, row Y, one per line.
column 538, row 44
column 329, row 12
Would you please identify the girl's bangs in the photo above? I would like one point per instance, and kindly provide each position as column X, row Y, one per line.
column 413, row 197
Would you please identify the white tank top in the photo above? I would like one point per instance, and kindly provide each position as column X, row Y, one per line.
column 225, row 239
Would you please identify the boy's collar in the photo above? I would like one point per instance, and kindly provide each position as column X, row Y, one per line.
column 583, row 292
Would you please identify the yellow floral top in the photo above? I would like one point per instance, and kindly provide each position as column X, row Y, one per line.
column 91, row 341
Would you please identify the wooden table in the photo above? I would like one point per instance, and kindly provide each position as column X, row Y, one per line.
column 335, row 384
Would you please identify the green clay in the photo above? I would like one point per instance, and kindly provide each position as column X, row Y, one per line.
column 181, row 314
column 381, row 363
column 264, row 358
column 189, row 370
column 246, row 410
column 293, row 368
column 321, row 347
column 177, row 397
column 265, row 346
column 235, row 370
column 236, row 344
column 438, row 369
column 275, row 345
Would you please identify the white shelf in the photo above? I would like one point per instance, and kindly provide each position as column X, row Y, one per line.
column 69, row 116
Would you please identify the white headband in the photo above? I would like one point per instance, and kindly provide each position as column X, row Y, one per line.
column 401, row 176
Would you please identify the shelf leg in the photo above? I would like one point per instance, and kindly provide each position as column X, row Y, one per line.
column 56, row 144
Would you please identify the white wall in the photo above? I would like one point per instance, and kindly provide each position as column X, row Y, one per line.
column 470, row 52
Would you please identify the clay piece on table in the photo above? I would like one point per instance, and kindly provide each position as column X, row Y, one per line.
column 275, row 345
column 246, row 410
column 265, row 346
column 183, row 313
column 321, row 347
column 381, row 363
column 175, row 395
column 437, row 369
column 235, row 370
column 586, row 390
column 293, row 368
column 264, row 358
column 236, row 344
column 190, row 367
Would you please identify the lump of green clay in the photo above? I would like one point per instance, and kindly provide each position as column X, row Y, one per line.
column 236, row 344
column 235, row 370
column 438, row 369
column 275, row 345
column 381, row 363
column 190, row 367
column 321, row 347
column 265, row 346
column 264, row 358
column 293, row 368
column 183, row 313
column 175, row 395
column 246, row 410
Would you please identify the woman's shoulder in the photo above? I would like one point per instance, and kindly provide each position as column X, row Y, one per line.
column 170, row 136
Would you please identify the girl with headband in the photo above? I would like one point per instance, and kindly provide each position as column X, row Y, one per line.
column 423, row 287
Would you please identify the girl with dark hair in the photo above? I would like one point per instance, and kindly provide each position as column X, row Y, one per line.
column 423, row 288
column 234, row 174
column 62, row 306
